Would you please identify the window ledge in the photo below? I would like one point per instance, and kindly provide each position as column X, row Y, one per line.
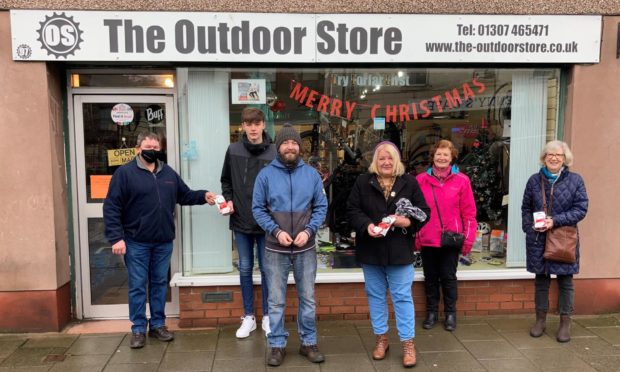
column 178, row 280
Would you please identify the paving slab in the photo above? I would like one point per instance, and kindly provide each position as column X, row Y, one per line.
column 187, row 361
column 609, row 334
column 444, row 341
column 509, row 365
column 8, row 346
column 599, row 321
column 523, row 340
column 561, row 359
column 330, row 345
column 42, row 341
column 241, row 365
column 603, row 363
column 194, row 341
column 132, row 367
column 347, row 363
column 476, row 332
column 451, row 361
column 79, row 363
column 148, row 354
column 498, row 349
column 93, row 345
column 592, row 346
column 31, row 357
column 235, row 349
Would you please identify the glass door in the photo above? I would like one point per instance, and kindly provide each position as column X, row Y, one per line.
column 106, row 129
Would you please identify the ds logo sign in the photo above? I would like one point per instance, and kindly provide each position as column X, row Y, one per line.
column 60, row 35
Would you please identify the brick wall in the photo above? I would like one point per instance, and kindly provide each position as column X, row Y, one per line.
column 348, row 301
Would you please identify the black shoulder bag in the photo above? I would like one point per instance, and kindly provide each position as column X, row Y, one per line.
column 449, row 239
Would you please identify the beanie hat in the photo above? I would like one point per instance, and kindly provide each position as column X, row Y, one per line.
column 287, row 132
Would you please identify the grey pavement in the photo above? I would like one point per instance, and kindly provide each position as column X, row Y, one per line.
column 479, row 344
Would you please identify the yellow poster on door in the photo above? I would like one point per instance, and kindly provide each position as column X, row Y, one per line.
column 120, row 156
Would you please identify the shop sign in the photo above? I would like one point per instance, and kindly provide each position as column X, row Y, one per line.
column 122, row 114
column 120, row 156
column 154, row 114
column 64, row 35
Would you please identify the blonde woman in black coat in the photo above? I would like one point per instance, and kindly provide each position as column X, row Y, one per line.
column 387, row 260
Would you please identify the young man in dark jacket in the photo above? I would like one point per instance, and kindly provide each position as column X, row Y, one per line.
column 244, row 159
column 290, row 205
column 139, row 223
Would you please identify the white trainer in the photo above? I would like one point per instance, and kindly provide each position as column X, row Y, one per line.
column 248, row 324
column 266, row 327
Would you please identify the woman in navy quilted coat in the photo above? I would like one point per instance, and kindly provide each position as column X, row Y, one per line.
column 570, row 205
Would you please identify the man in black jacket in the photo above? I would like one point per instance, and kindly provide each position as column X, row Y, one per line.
column 139, row 223
column 244, row 159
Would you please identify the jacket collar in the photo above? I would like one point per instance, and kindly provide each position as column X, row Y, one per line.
column 158, row 167
column 399, row 183
column 454, row 170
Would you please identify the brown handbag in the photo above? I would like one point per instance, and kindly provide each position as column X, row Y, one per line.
column 561, row 242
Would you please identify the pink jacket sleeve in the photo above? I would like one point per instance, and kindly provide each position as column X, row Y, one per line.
column 468, row 216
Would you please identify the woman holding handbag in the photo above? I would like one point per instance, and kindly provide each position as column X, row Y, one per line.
column 386, row 208
column 558, row 198
column 451, row 231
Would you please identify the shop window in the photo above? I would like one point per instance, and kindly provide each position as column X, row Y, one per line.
column 498, row 119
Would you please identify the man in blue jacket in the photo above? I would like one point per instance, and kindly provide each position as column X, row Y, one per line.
column 289, row 203
column 139, row 223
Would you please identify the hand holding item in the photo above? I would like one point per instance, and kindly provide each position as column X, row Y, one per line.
column 301, row 239
column 222, row 205
column 284, row 239
column 371, row 231
column 384, row 226
column 230, row 205
column 401, row 221
column 119, row 247
column 210, row 197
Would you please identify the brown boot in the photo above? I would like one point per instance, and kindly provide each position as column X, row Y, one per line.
column 409, row 355
column 563, row 334
column 381, row 347
column 541, row 323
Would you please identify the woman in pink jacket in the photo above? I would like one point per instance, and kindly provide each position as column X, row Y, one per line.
column 449, row 195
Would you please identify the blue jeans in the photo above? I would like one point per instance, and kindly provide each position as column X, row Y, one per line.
column 398, row 278
column 277, row 267
column 147, row 264
column 245, row 247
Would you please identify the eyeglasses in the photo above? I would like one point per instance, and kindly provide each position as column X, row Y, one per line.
column 559, row 156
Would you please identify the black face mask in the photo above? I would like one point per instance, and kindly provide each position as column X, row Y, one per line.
column 151, row 156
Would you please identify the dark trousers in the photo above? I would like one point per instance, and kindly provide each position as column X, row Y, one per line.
column 439, row 266
column 565, row 293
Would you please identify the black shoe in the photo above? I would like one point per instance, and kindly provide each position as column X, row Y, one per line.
column 276, row 356
column 450, row 323
column 137, row 340
column 162, row 334
column 312, row 353
column 431, row 319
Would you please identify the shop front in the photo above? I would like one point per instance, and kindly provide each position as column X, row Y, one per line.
column 496, row 86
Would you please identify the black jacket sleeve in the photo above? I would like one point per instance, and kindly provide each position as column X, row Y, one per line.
column 357, row 218
column 113, row 208
column 226, row 178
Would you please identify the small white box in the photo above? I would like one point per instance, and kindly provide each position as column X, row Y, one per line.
column 222, row 205
column 539, row 219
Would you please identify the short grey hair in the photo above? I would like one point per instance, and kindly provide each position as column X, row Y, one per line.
column 150, row 135
column 557, row 145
